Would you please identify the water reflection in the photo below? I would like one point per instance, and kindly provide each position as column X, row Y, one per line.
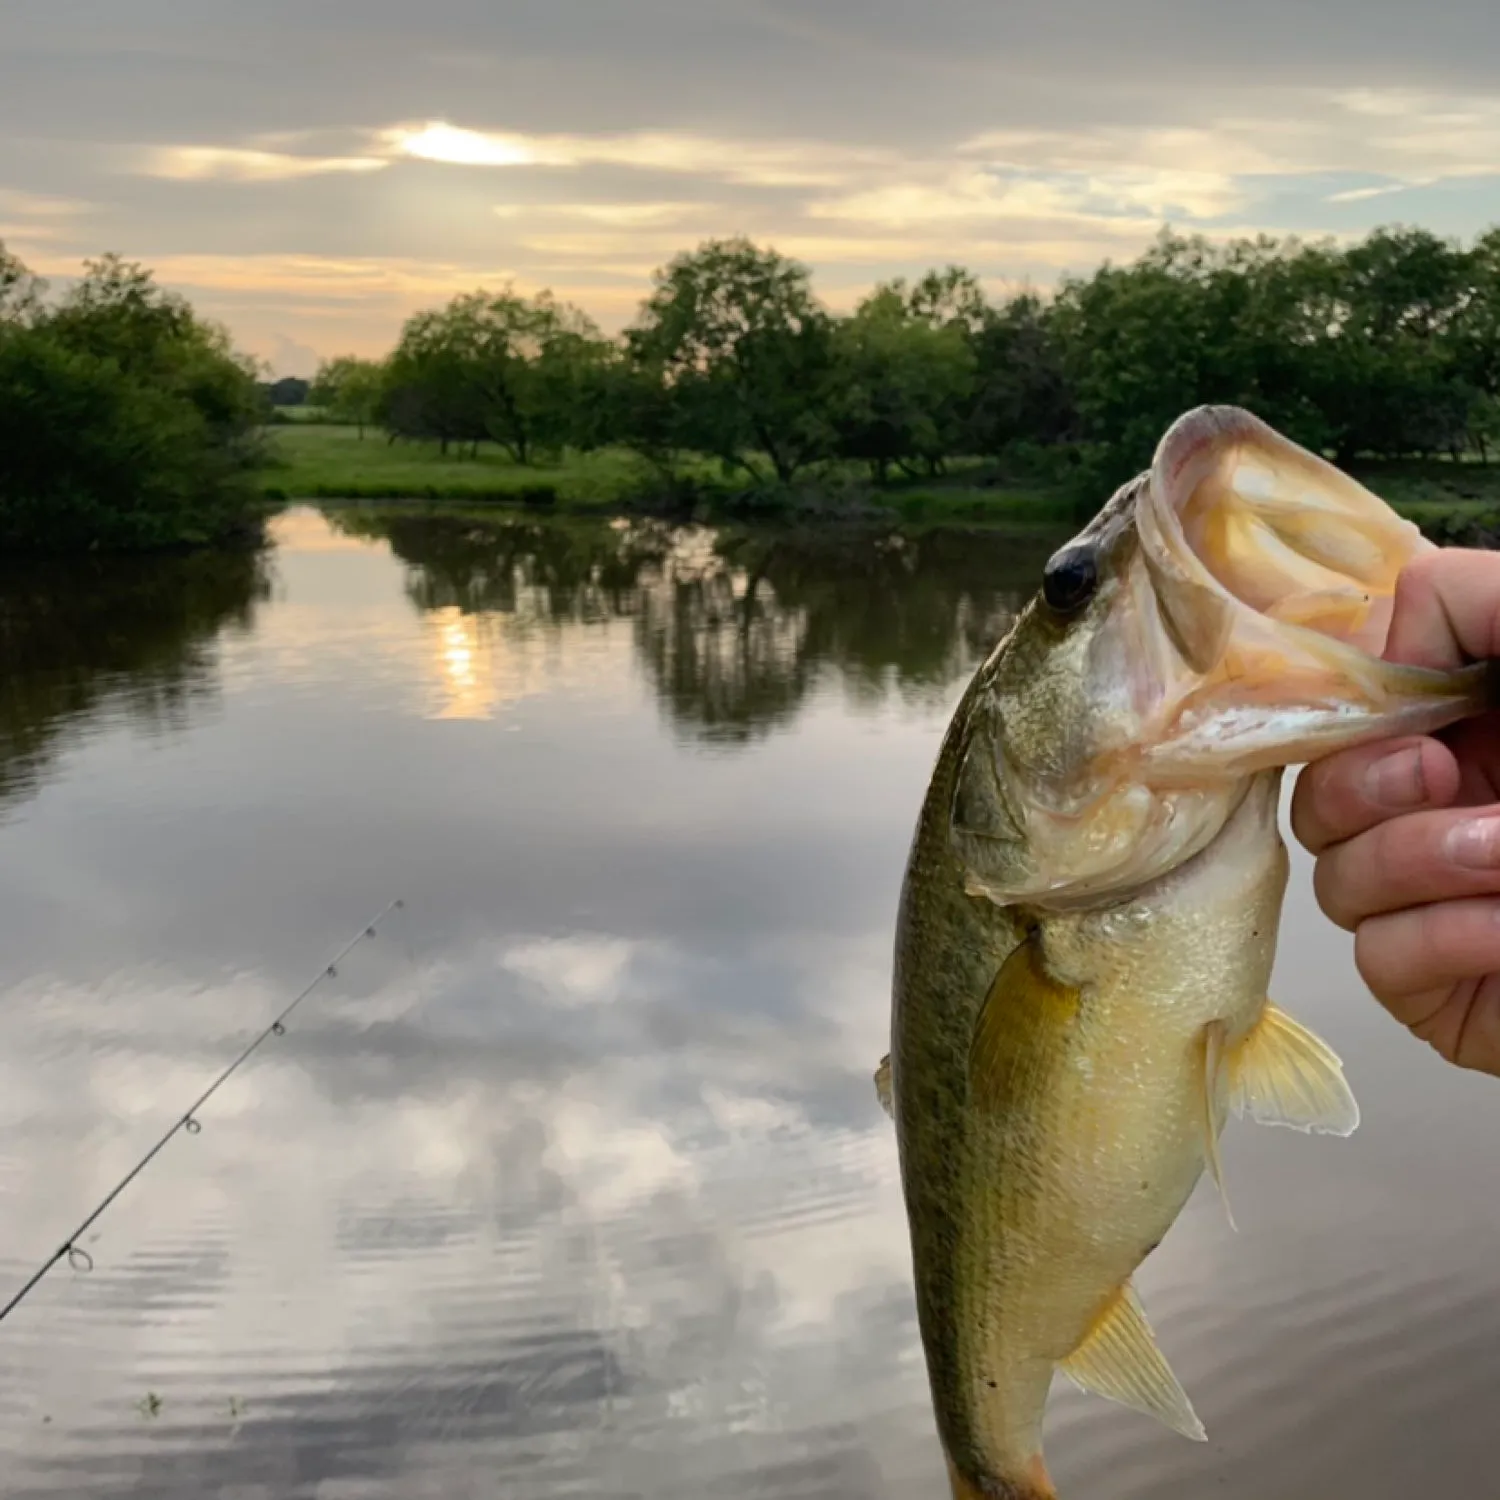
column 735, row 629
column 98, row 639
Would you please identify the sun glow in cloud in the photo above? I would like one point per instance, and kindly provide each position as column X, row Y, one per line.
column 469, row 148
column 760, row 163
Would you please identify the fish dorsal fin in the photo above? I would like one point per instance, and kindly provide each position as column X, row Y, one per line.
column 1026, row 1006
column 1119, row 1360
column 1213, row 1067
column 1282, row 1074
column 883, row 1086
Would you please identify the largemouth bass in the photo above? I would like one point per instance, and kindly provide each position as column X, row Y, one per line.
column 1090, row 911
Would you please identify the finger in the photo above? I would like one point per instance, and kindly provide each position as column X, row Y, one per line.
column 1447, row 609
column 1476, row 745
column 1345, row 794
column 1410, row 861
column 1406, row 955
column 1462, row 1023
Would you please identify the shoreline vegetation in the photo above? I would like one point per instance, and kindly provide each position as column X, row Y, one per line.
column 128, row 422
column 319, row 462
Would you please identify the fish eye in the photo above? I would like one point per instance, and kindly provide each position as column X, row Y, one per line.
column 1069, row 579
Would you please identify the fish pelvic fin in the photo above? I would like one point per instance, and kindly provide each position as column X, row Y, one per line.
column 1034, row 1484
column 1213, row 1067
column 1282, row 1074
column 883, row 1086
column 1118, row 1359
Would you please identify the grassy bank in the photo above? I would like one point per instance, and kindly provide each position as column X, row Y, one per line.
column 319, row 461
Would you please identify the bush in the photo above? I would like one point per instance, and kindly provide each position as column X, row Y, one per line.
column 126, row 423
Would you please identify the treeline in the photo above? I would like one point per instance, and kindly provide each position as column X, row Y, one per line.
column 126, row 421
column 1387, row 348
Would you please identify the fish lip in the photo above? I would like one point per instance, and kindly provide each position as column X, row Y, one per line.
column 1203, row 427
column 1201, row 432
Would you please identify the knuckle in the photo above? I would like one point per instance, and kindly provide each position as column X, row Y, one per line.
column 1396, row 953
column 1331, row 890
column 1371, row 960
column 1320, row 803
column 1419, row 577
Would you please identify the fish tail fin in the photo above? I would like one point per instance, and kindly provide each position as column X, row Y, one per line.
column 1034, row 1484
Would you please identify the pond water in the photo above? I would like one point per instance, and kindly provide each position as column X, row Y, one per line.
column 572, row 1182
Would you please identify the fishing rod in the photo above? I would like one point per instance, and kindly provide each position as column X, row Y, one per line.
column 70, row 1250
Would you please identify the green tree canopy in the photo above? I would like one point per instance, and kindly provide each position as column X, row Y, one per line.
column 904, row 385
column 747, row 351
column 126, row 421
column 350, row 390
column 492, row 366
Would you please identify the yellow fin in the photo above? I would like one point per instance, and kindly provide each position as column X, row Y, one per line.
column 1213, row 1062
column 883, row 1085
column 1119, row 1360
column 1025, row 1009
column 1282, row 1074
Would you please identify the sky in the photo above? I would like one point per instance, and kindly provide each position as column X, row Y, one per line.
column 313, row 173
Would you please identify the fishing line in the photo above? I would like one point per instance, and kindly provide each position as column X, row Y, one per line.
column 70, row 1250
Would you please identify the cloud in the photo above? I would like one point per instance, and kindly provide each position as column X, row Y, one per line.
column 1396, row 131
column 290, row 357
column 999, row 194
column 237, row 164
column 767, row 163
column 1364, row 194
column 627, row 215
column 38, row 206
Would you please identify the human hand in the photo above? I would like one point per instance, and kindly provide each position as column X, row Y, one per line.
column 1406, row 833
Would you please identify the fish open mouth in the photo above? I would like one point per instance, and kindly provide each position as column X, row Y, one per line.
column 1274, row 575
column 1279, row 530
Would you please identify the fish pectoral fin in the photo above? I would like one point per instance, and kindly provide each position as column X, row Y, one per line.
column 1281, row 1074
column 883, row 1086
column 1213, row 1065
column 1025, row 1012
column 1119, row 1360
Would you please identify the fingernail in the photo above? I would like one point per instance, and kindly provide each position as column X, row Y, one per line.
column 1475, row 845
column 1397, row 781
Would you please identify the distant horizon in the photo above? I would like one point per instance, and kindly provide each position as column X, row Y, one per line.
column 310, row 178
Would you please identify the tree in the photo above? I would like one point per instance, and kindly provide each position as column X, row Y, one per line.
column 491, row 366
column 350, row 390
column 950, row 298
column 1021, row 392
column 290, row 390
column 1474, row 335
column 904, row 385
column 1189, row 322
column 125, row 420
column 638, row 406
column 747, row 353
column 117, row 312
column 20, row 291
column 1395, row 384
column 1484, row 425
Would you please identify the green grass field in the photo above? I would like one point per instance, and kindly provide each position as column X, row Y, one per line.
column 320, row 461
